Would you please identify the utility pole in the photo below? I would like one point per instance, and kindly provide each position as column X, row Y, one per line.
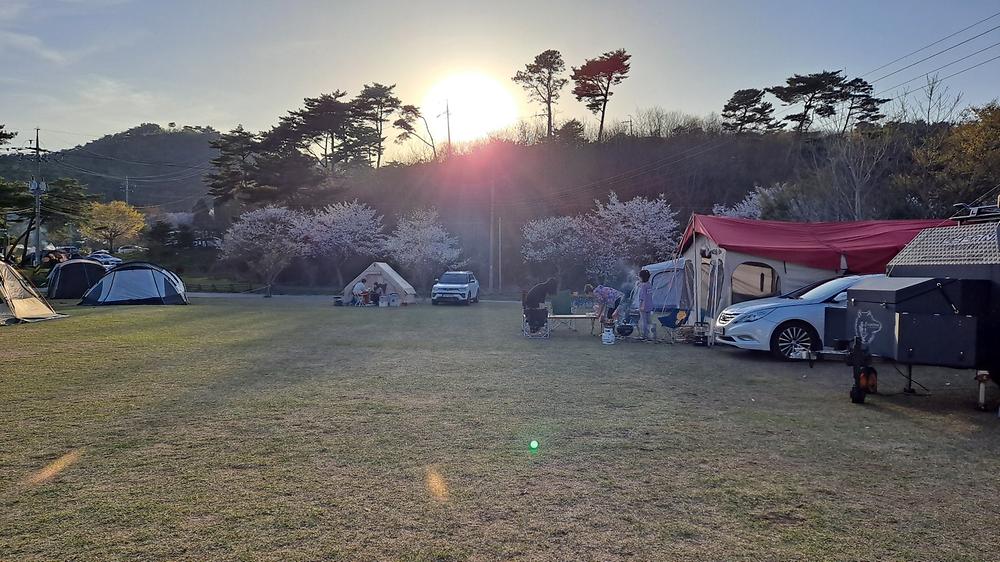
column 37, row 188
column 493, row 187
column 499, row 253
column 126, row 190
column 447, row 121
column 630, row 126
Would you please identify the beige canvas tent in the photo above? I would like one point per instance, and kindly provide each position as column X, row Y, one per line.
column 380, row 272
column 19, row 301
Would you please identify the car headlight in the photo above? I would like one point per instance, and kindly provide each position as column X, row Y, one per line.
column 753, row 316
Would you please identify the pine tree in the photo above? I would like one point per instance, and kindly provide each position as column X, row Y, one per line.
column 374, row 106
column 747, row 111
column 817, row 93
column 542, row 79
column 594, row 80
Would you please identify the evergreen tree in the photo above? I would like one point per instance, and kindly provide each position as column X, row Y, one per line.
column 861, row 106
column 374, row 106
column 232, row 177
column 747, row 111
column 5, row 136
column 408, row 117
column 328, row 128
column 543, row 80
column 817, row 93
column 594, row 80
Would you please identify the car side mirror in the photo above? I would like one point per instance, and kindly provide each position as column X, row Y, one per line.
column 436, row 279
column 841, row 297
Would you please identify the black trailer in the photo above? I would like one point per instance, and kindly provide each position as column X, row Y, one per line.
column 939, row 304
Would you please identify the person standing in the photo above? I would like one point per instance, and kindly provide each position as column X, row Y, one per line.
column 645, row 305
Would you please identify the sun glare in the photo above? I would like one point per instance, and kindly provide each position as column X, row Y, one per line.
column 478, row 105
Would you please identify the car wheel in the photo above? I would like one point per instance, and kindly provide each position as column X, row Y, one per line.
column 477, row 297
column 791, row 337
column 467, row 301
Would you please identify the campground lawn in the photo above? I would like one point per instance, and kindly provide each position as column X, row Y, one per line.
column 287, row 429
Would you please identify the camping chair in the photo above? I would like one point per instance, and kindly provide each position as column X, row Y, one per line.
column 534, row 321
column 671, row 319
column 362, row 299
column 563, row 314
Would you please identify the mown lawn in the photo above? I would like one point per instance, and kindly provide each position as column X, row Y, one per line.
column 287, row 429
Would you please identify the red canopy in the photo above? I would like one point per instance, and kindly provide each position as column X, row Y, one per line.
column 867, row 245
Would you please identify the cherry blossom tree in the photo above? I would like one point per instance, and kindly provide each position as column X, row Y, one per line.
column 558, row 241
column 422, row 245
column 340, row 232
column 751, row 207
column 623, row 234
column 264, row 239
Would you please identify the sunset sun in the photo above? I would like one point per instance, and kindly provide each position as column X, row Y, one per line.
column 478, row 104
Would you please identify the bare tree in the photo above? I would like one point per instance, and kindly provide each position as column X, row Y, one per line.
column 857, row 163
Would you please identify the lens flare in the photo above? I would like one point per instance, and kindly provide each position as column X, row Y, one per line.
column 51, row 470
column 533, row 445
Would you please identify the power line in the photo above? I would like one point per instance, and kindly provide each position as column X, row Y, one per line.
column 928, row 46
column 201, row 166
column 929, row 72
column 911, row 65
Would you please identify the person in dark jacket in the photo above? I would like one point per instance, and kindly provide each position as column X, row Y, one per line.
column 536, row 315
column 537, row 294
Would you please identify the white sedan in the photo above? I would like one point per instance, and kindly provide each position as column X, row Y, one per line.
column 105, row 259
column 787, row 324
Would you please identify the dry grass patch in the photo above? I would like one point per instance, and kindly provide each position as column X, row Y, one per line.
column 291, row 430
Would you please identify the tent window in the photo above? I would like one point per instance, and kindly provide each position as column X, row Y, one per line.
column 753, row 280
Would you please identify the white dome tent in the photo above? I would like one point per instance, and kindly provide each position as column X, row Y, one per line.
column 137, row 283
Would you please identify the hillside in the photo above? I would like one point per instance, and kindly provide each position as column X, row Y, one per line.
column 164, row 167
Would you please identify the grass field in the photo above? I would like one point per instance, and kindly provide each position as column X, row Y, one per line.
column 287, row 429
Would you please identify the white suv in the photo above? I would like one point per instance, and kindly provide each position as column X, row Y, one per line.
column 455, row 286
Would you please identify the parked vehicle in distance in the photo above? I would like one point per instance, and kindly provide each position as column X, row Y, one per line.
column 211, row 242
column 786, row 324
column 105, row 259
column 455, row 286
column 131, row 249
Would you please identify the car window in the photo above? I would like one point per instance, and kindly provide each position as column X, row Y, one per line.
column 454, row 278
column 829, row 289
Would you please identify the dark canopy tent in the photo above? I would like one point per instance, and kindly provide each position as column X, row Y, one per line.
column 71, row 279
column 137, row 283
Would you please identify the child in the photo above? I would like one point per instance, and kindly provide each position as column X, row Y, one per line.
column 645, row 304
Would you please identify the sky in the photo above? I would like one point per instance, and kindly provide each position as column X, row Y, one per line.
column 79, row 69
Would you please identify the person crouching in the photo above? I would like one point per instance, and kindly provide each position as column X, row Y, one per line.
column 536, row 314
